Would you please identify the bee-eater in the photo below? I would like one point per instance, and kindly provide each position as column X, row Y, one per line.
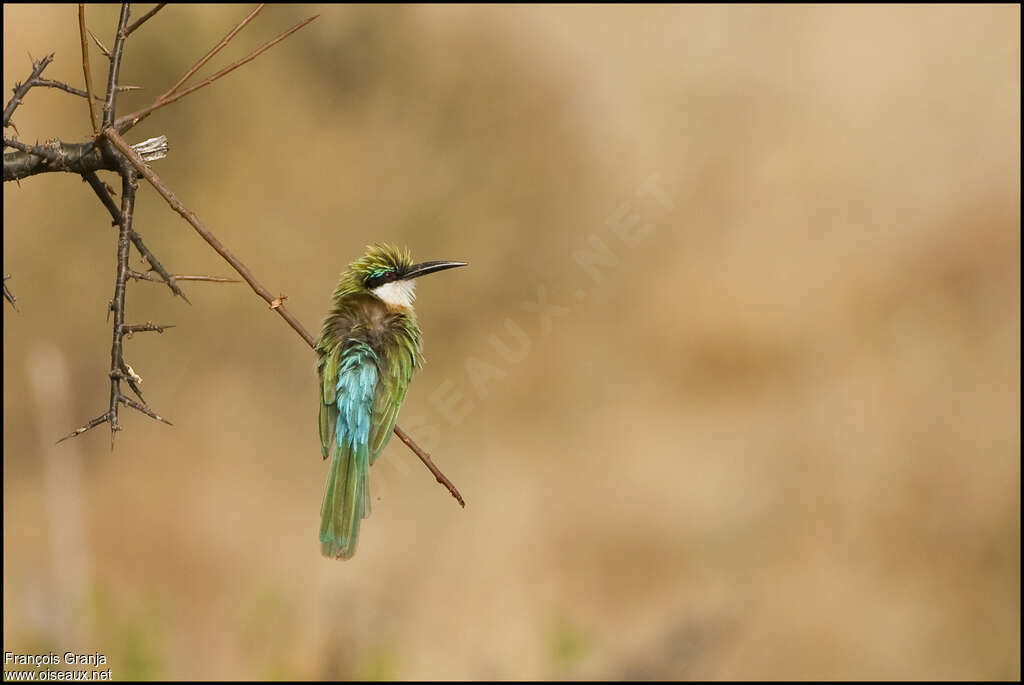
column 368, row 349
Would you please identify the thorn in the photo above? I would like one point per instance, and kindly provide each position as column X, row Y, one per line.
column 89, row 426
column 99, row 44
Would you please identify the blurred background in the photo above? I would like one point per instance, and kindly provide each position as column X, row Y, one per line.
column 731, row 387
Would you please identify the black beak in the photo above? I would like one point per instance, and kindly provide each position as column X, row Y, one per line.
column 424, row 268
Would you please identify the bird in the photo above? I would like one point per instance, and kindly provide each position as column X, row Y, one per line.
column 369, row 347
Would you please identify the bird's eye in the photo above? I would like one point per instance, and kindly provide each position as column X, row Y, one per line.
column 380, row 278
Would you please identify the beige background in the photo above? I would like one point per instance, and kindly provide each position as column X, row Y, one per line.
column 773, row 433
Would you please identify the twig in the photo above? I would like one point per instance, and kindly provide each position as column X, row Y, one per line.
column 8, row 295
column 180, row 277
column 21, row 88
column 132, row 329
column 119, row 370
column 60, row 85
column 103, row 194
column 124, row 123
column 101, row 191
column 63, row 86
column 128, row 186
column 189, row 216
column 211, row 52
column 116, row 55
column 49, row 153
column 425, row 458
column 144, row 18
column 85, row 68
column 200, row 277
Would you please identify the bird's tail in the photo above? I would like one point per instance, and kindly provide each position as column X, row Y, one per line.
column 347, row 496
column 346, row 502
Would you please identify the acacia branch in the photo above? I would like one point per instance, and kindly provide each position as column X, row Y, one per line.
column 144, row 18
column 78, row 158
column 128, row 187
column 126, row 122
column 132, row 329
column 428, row 462
column 122, row 146
column 116, row 55
column 119, row 369
column 85, row 67
column 75, row 158
column 49, row 153
column 20, row 89
column 211, row 52
column 101, row 191
column 60, row 85
column 138, row 276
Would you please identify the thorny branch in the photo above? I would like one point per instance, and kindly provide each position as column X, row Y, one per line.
column 111, row 152
column 144, row 18
column 126, row 122
column 76, row 158
column 104, row 195
column 60, row 85
column 20, row 89
column 119, row 369
column 131, row 330
column 211, row 52
column 139, row 276
column 116, row 55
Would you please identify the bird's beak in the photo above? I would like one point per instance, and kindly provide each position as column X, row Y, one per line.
column 424, row 268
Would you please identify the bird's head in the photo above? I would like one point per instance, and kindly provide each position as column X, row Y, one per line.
column 388, row 274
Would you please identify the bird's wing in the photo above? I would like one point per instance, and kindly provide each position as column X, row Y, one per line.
column 396, row 374
column 328, row 368
column 347, row 496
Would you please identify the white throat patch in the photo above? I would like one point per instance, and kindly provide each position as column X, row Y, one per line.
column 397, row 293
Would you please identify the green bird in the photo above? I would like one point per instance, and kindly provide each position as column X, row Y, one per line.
column 368, row 349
